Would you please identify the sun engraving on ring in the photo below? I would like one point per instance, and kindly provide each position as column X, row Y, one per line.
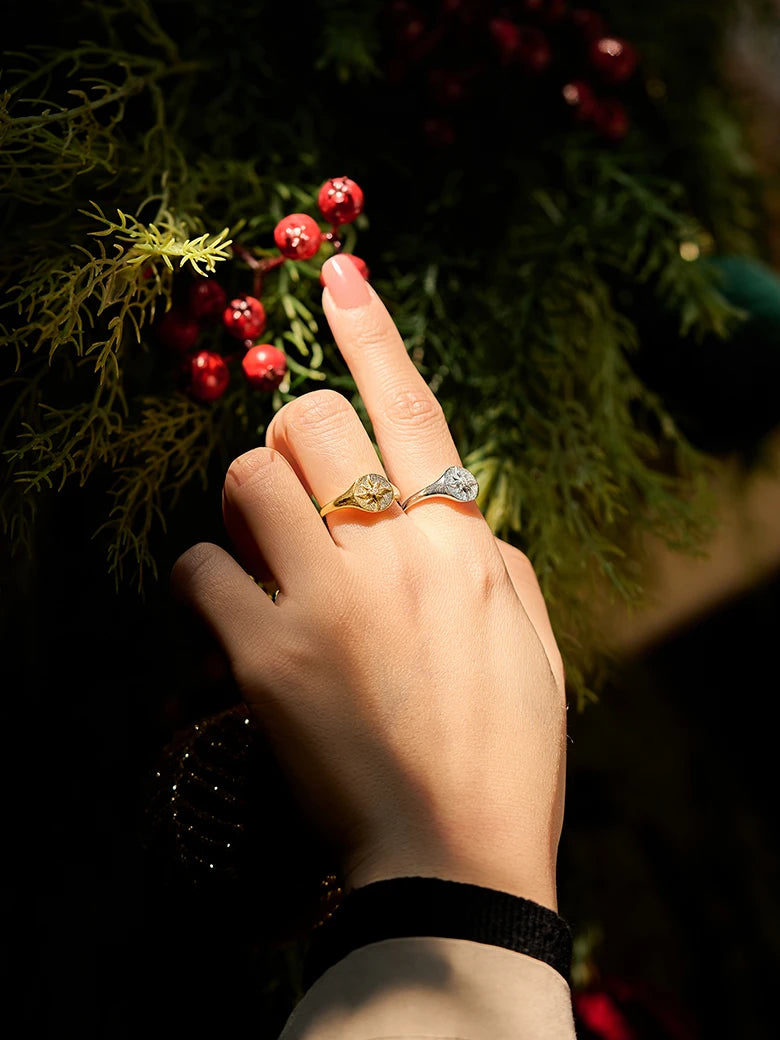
column 460, row 484
column 373, row 492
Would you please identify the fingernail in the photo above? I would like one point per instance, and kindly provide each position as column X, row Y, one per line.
column 345, row 283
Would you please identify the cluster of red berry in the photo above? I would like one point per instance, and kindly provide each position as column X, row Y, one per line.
column 575, row 63
column 611, row 61
column 297, row 236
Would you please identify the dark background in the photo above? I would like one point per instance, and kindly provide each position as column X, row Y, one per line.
column 668, row 861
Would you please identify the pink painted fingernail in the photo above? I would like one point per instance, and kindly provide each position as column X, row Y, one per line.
column 345, row 283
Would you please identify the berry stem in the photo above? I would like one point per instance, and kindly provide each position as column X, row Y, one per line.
column 245, row 255
column 260, row 267
column 261, row 270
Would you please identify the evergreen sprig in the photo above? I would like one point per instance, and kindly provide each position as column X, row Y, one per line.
column 71, row 304
column 532, row 361
column 73, row 125
column 525, row 328
column 69, row 442
column 164, row 240
column 152, row 460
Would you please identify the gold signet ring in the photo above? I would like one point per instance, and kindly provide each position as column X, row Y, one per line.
column 372, row 493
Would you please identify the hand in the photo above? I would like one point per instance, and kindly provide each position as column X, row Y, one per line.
column 406, row 677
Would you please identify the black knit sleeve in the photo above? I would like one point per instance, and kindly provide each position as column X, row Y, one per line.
column 423, row 906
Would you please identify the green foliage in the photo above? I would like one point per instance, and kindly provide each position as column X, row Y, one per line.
column 169, row 446
column 685, row 54
column 349, row 40
column 63, row 305
column 563, row 437
column 164, row 150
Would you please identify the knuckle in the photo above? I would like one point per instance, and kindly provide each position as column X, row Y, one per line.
column 409, row 407
column 243, row 468
column 490, row 572
column 493, row 579
column 195, row 567
column 520, row 562
column 319, row 410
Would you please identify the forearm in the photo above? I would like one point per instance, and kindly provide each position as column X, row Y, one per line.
column 418, row 957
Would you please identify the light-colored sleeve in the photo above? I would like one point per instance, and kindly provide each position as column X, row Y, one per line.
column 436, row 989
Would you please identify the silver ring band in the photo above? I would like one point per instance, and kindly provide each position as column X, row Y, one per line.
column 455, row 483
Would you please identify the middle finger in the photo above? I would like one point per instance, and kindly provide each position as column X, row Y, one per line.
column 407, row 419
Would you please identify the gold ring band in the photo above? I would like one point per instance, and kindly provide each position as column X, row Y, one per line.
column 373, row 493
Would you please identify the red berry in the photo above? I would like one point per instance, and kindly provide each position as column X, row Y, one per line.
column 447, row 88
column 407, row 20
column 361, row 265
column 520, row 44
column 465, row 9
column 614, row 59
column 178, row 330
column 581, row 99
column 590, row 23
column 206, row 299
column 340, row 200
column 244, row 317
column 264, row 366
column 506, row 38
column 546, row 10
column 439, row 132
column 298, row 236
column 209, row 376
column 611, row 119
column 533, row 50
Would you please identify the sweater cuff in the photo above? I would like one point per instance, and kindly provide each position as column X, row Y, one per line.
column 425, row 906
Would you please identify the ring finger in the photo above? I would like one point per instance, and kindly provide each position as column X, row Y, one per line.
column 323, row 439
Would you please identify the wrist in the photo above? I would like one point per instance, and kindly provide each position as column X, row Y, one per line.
column 536, row 883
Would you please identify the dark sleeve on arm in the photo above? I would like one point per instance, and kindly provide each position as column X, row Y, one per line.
column 423, row 906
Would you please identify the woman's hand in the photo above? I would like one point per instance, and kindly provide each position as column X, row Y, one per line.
column 406, row 676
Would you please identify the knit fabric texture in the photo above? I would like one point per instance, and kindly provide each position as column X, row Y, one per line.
column 423, row 906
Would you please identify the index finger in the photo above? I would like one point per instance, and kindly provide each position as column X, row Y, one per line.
column 408, row 421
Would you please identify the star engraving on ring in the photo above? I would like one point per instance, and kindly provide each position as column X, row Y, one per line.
column 373, row 493
column 455, row 482
column 460, row 484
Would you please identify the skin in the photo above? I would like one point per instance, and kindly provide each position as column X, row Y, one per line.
column 407, row 676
